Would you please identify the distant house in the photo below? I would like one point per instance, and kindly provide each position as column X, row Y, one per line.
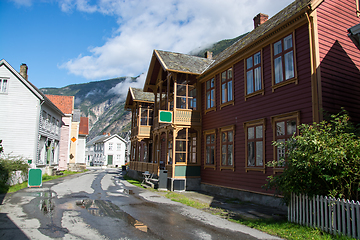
column 106, row 150
column 66, row 105
column 215, row 118
column 81, row 142
column 29, row 123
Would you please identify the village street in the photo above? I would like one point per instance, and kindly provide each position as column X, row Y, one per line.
column 99, row 204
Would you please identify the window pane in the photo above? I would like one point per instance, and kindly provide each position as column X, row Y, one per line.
column 208, row 154
column 288, row 42
column 223, row 93
column 259, row 132
column 223, row 76
column 280, row 128
column 4, row 86
column 208, row 99
column 212, row 155
column 181, row 90
column 212, row 82
column 230, row 154
column 251, row 133
column 224, row 139
column 249, row 82
column 208, row 139
column 249, row 62
column 259, row 153
column 251, row 154
column 281, row 153
column 229, row 73
column 277, row 47
column 180, row 157
column 223, row 154
column 212, row 98
column 207, row 85
column 257, row 58
column 230, row 136
column 278, row 70
column 230, row 95
column 257, row 72
column 181, row 102
column 212, row 138
column 289, row 65
column 291, row 127
column 180, row 146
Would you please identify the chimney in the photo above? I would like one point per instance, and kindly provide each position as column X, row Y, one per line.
column 108, row 134
column 208, row 55
column 23, row 71
column 260, row 19
column 104, row 133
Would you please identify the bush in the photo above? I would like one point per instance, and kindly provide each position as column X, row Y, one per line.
column 322, row 160
column 7, row 166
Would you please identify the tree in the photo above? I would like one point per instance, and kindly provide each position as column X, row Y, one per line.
column 324, row 159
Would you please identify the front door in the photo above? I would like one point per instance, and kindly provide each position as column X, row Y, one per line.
column 110, row 160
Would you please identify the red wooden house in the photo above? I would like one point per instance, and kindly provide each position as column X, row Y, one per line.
column 289, row 70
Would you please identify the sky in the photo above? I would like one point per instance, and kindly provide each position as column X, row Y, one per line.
column 67, row 42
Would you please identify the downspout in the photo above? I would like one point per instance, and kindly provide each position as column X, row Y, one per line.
column 315, row 68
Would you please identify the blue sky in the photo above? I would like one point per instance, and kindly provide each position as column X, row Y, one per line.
column 67, row 42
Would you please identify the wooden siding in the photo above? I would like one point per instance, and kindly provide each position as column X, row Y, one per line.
column 20, row 110
column 64, row 148
column 289, row 98
column 339, row 57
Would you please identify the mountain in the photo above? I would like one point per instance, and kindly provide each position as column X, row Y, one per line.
column 103, row 101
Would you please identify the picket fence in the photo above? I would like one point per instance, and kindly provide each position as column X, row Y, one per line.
column 335, row 216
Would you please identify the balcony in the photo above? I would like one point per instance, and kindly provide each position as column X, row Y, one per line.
column 141, row 131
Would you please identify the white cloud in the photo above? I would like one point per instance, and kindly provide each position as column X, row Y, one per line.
column 121, row 89
column 170, row 25
column 26, row 3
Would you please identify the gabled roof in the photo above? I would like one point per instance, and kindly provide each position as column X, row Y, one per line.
column 174, row 62
column 32, row 88
column 64, row 103
column 137, row 95
column 274, row 23
column 103, row 139
column 183, row 63
column 84, row 126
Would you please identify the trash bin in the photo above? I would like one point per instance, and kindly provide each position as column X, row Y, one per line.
column 123, row 168
column 163, row 179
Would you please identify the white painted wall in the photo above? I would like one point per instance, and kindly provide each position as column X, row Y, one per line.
column 80, row 149
column 115, row 152
column 20, row 111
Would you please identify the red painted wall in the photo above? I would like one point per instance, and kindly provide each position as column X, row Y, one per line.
column 285, row 99
column 340, row 58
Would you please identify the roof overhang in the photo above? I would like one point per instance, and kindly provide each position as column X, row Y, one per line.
column 354, row 34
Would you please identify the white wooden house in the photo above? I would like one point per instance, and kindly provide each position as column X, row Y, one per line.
column 106, row 150
column 29, row 122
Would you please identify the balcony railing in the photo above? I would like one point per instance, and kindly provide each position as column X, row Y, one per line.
column 141, row 131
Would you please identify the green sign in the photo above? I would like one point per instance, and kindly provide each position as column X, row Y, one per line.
column 35, row 177
column 165, row 117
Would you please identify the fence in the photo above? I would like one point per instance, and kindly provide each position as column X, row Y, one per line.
column 336, row 216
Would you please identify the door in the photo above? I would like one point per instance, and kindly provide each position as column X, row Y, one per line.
column 110, row 160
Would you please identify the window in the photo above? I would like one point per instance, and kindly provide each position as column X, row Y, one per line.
column 358, row 8
column 146, row 115
column 110, row 146
column 253, row 74
column 210, row 94
column 227, row 147
column 185, row 146
column 210, row 144
column 118, row 147
column 284, row 127
column 185, row 96
column 4, row 85
column 283, row 60
column 255, row 145
column 226, row 86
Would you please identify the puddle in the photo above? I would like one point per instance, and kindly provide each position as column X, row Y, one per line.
column 102, row 208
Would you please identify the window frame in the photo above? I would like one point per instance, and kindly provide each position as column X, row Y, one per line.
column 285, row 81
column 358, row 8
column 226, row 82
column 255, row 123
column 212, row 108
column 2, row 80
column 260, row 91
column 230, row 128
column 207, row 133
column 279, row 118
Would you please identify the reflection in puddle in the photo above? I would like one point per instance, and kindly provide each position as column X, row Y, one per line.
column 46, row 203
column 103, row 208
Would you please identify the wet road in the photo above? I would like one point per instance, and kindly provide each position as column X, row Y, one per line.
column 100, row 205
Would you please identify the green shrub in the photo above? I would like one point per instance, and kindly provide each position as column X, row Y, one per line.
column 7, row 166
column 322, row 160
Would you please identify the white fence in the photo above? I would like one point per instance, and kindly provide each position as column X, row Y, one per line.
column 336, row 216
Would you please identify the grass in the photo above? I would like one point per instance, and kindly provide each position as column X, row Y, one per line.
column 45, row 178
column 280, row 228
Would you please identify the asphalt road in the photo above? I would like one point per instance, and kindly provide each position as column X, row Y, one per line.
column 98, row 204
